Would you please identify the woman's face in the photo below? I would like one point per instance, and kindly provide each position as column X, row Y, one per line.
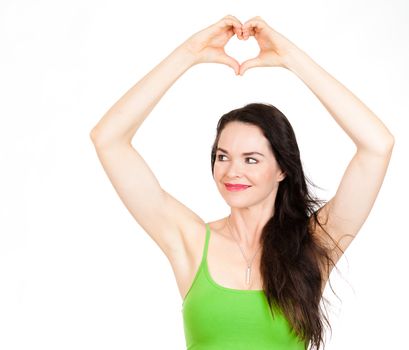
column 260, row 171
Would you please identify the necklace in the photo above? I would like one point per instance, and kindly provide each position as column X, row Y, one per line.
column 248, row 271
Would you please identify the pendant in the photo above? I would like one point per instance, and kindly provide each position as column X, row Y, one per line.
column 248, row 273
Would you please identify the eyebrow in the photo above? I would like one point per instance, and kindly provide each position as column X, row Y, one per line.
column 244, row 154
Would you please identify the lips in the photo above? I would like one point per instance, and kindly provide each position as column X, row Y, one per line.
column 236, row 187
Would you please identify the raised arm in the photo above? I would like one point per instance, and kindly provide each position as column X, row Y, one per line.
column 158, row 213
column 122, row 120
column 349, row 208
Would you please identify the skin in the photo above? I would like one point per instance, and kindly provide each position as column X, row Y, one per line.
column 251, row 208
column 172, row 225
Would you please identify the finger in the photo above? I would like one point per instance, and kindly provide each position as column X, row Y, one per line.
column 251, row 63
column 238, row 32
column 248, row 32
column 231, row 62
column 232, row 22
column 235, row 19
column 256, row 19
column 235, row 30
column 237, row 26
column 252, row 26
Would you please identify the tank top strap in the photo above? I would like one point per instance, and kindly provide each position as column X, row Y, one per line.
column 206, row 245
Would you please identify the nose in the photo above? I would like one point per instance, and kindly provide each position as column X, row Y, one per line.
column 234, row 170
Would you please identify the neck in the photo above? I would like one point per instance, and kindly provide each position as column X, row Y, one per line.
column 246, row 226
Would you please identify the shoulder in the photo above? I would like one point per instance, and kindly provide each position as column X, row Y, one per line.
column 193, row 233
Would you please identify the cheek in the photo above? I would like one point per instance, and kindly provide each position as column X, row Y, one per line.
column 265, row 178
column 268, row 175
column 216, row 171
column 218, row 175
column 263, row 174
column 258, row 174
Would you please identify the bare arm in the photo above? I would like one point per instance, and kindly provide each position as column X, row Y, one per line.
column 346, row 212
column 361, row 182
column 161, row 215
column 122, row 120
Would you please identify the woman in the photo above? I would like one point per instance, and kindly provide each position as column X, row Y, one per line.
column 282, row 245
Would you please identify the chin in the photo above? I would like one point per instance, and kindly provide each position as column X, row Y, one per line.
column 237, row 202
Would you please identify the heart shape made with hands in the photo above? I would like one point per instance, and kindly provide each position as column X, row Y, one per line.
column 240, row 52
column 220, row 44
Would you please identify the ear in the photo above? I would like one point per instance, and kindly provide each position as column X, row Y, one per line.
column 282, row 176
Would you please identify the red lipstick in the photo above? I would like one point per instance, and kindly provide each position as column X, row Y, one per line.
column 236, row 187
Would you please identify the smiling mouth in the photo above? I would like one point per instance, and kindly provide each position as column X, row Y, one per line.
column 233, row 187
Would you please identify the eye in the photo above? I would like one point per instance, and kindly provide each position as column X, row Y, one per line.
column 222, row 155
column 253, row 159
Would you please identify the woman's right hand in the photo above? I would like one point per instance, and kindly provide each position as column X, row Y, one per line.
column 207, row 45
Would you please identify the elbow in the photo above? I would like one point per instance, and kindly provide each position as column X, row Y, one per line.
column 96, row 137
column 383, row 147
column 390, row 143
column 387, row 145
column 92, row 134
column 101, row 140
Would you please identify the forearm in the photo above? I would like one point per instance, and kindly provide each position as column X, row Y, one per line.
column 364, row 128
column 122, row 120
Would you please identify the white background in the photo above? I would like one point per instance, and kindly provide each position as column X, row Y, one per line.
column 76, row 270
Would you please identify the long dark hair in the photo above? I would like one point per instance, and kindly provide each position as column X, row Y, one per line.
column 292, row 256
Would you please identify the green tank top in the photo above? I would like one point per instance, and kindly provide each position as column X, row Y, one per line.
column 221, row 318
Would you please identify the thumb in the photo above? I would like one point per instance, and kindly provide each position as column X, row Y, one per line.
column 231, row 62
column 251, row 63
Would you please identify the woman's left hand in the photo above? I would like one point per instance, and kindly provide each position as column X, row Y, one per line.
column 274, row 47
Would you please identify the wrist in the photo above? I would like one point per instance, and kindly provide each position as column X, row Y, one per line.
column 293, row 57
column 185, row 56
